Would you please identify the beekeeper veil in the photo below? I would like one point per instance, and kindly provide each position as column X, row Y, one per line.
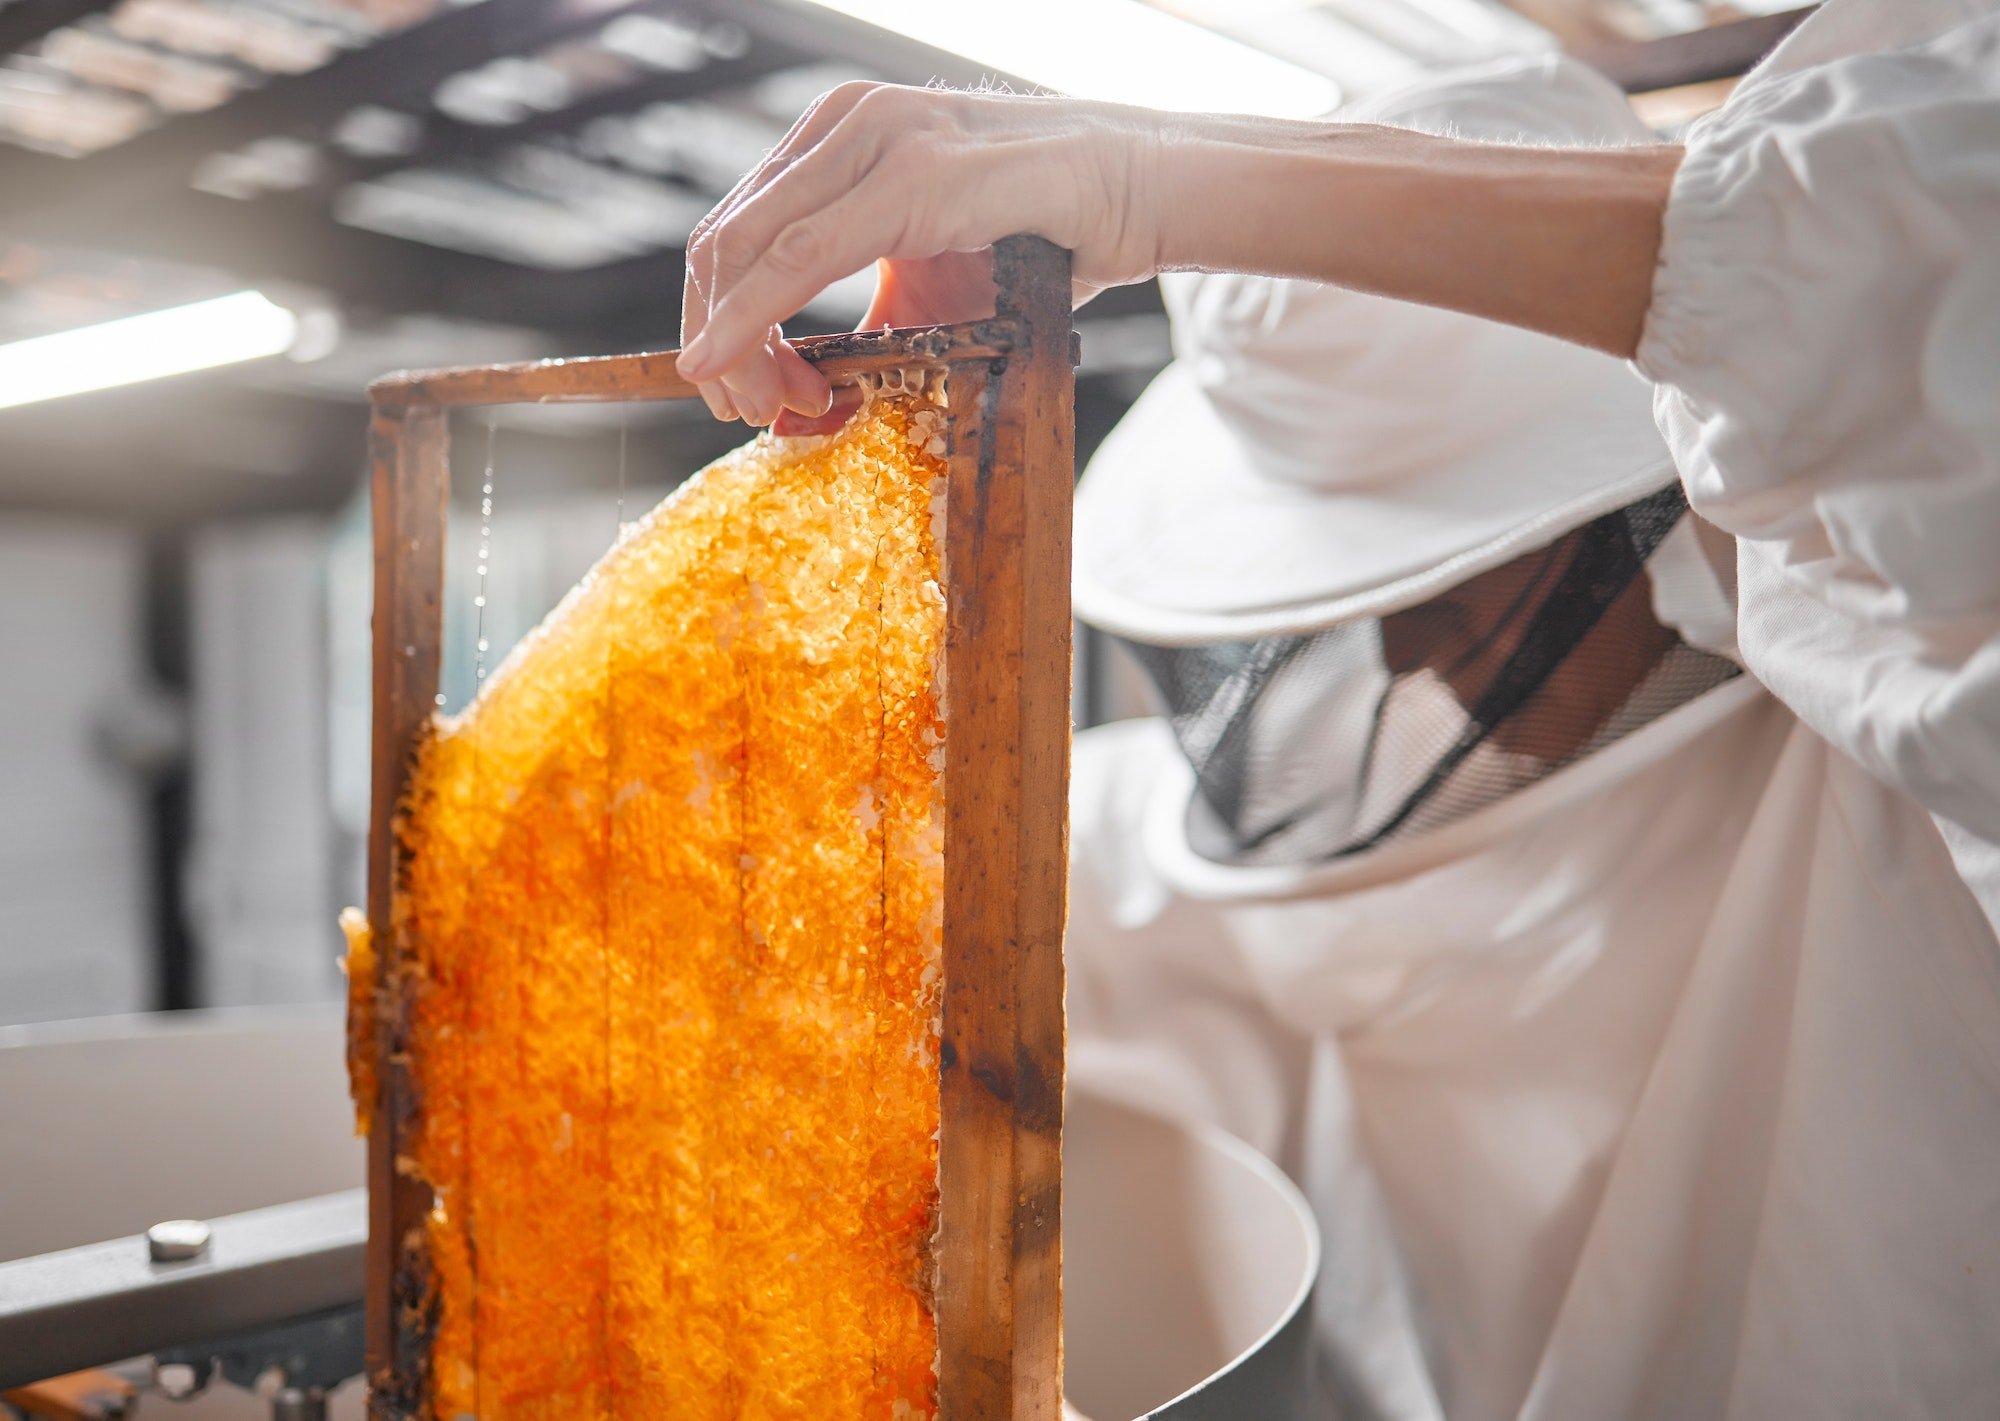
column 1387, row 564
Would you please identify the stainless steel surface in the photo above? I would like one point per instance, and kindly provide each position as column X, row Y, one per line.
column 113, row 1124
column 292, row 1404
column 177, row 1240
column 61, row 1312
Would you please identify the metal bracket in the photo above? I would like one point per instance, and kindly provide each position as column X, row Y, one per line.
column 104, row 1302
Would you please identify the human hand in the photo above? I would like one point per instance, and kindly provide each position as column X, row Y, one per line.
column 952, row 286
column 922, row 181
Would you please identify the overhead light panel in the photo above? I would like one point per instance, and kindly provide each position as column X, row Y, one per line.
column 224, row 331
column 1121, row 51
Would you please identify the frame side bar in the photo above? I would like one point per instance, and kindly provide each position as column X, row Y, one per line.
column 411, row 481
column 1007, row 655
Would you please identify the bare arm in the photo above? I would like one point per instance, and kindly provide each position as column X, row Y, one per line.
column 1560, row 241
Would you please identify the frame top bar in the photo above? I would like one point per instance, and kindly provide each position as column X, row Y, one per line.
column 651, row 376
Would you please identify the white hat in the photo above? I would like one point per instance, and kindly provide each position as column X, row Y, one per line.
column 1314, row 455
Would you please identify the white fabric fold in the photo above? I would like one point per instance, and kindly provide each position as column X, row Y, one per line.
column 1825, row 338
column 1673, row 1100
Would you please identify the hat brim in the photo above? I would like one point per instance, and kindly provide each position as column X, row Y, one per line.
column 1181, row 540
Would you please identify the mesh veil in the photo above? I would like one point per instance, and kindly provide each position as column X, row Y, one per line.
column 1312, row 746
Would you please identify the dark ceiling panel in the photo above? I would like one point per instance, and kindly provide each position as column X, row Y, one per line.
column 449, row 141
column 399, row 71
column 135, row 198
column 26, row 21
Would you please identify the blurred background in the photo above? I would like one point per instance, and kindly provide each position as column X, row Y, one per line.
column 219, row 219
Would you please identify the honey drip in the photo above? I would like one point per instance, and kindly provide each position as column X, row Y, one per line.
column 672, row 918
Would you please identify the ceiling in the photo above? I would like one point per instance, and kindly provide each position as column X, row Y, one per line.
column 485, row 180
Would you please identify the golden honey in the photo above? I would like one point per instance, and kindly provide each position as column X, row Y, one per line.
column 671, row 911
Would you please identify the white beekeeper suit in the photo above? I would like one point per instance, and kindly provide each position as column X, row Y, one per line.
column 1666, row 1085
column 1825, row 333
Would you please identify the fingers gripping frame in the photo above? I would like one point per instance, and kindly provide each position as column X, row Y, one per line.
column 1011, row 387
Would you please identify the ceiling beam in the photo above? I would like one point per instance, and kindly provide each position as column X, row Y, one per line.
column 27, row 22
column 623, row 305
column 401, row 70
column 261, row 242
column 367, row 273
column 450, row 141
column 134, row 454
column 1718, row 52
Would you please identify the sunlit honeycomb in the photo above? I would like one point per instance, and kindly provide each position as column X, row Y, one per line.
column 672, row 915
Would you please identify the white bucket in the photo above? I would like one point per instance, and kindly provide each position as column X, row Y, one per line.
column 1188, row 1269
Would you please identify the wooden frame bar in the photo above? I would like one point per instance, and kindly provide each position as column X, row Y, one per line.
column 411, row 483
column 610, row 379
column 1007, row 667
column 1006, row 794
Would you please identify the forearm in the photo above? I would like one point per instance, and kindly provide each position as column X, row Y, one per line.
column 1562, row 241
column 1557, row 240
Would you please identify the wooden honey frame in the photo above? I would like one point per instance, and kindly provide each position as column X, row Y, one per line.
column 1011, row 390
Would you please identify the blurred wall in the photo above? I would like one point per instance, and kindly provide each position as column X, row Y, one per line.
column 75, row 936
column 260, row 872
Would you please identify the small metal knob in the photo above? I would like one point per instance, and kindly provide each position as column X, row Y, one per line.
column 177, row 1240
column 293, row 1404
column 177, row 1381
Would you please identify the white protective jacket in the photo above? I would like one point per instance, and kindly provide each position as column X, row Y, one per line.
column 1670, row 1087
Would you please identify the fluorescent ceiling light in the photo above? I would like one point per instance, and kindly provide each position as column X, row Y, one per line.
column 124, row 352
column 1117, row 50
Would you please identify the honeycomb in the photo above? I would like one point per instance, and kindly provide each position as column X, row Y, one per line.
column 672, row 914
column 363, row 972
